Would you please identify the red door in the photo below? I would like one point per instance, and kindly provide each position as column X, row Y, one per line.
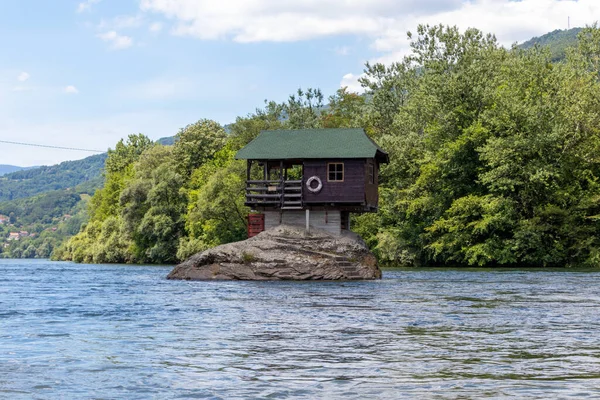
column 256, row 224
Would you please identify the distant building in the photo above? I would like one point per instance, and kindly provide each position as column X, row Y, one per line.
column 4, row 219
column 13, row 236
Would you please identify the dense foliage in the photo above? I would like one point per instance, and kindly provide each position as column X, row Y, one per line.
column 494, row 153
column 494, row 161
column 68, row 174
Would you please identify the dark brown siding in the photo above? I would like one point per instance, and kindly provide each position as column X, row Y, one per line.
column 371, row 189
column 351, row 190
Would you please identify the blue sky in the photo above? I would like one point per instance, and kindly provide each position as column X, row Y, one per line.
column 87, row 73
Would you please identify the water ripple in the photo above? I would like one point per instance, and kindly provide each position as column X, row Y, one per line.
column 113, row 331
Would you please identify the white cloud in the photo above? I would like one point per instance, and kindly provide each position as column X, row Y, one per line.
column 117, row 42
column 71, row 90
column 156, row 27
column 86, row 5
column 23, row 76
column 270, row 20
column 122, row 22
column 383, row 22
column 351, row 82
column 510, row 21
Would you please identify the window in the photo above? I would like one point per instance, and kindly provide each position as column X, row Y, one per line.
column 335, row 172
column 371, row 172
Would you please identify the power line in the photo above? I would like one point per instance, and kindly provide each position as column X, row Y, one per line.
column 52, row 147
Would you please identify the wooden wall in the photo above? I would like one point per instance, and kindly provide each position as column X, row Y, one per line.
column 329, row 221
column 351, row 190
column 372, row 189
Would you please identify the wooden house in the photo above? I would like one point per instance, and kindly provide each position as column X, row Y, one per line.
column 312, row 177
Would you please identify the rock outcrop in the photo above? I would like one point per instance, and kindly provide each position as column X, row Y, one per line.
column 284, row 253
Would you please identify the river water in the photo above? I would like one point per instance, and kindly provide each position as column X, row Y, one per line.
column 124, row 332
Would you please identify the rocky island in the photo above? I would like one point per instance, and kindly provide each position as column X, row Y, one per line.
column 284, row 253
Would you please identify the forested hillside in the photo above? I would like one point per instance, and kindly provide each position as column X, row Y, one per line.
column 49, row 203
column 65, row 175
column 42, row 222
column 166, row 141
column 557, row 42
column 7, row 169
column 494, row 162
column 49, row 215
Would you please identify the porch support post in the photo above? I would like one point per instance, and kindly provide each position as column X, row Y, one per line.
column 281, row 170
column 307, row 220
column 281, row 184
column 248, row 168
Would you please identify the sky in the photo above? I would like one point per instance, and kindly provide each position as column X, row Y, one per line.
column 84, row 74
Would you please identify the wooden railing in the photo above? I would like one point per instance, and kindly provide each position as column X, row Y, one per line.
column 292, row 195
column 274, row 194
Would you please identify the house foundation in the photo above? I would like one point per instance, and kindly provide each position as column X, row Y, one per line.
column 334, row 222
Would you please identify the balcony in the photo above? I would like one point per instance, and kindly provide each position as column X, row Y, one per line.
column 274, row 194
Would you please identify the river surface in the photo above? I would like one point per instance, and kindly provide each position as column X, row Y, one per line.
column 124, row 332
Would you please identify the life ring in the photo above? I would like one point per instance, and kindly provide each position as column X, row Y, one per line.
column 309, row 182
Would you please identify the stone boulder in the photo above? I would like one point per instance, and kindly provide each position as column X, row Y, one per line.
column 284, row 253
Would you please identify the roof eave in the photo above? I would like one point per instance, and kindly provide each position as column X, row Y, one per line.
column 382, row 157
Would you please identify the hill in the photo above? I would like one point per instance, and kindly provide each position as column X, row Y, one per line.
column 556, row 41
column 40, row 223
column 65, row 175
column 21, row 182
column 7, row 169
column 166, row 141
column 40, row 209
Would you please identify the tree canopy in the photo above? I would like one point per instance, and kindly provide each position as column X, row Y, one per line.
column 494, row 162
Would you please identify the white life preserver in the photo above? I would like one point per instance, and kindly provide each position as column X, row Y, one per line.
column 309, row 182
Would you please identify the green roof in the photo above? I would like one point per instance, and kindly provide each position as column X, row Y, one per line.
column 312, row 143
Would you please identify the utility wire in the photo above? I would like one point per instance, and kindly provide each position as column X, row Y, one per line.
column 52, row 147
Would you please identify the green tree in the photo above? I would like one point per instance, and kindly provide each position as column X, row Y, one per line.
column 245, row 129
column 125, row 153
column 216, row 212
column 303, row 109
column 197, row 143
column 345, row 110
column 493, row 154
